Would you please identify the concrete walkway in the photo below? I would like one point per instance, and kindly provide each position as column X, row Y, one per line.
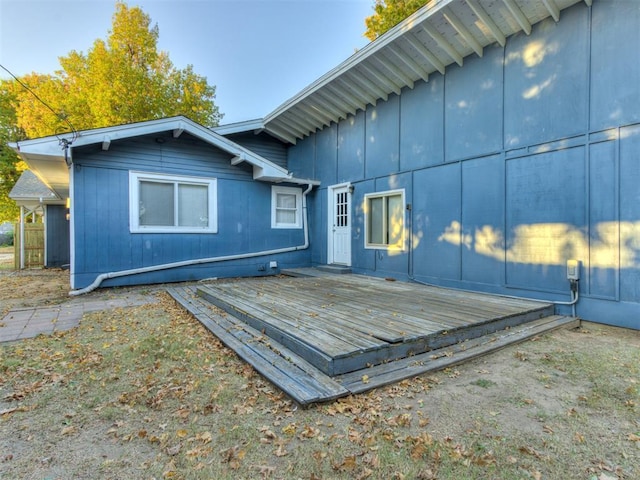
column 21, row 323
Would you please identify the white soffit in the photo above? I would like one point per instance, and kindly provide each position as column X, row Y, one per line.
column 440, row 34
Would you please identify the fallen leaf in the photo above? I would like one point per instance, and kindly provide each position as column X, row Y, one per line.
column 530, row 451
column 68, row 430
column 348, row 464
column 281, row 451
column 174, row 450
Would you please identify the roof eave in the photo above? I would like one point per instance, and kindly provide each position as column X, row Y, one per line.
column 46, row 155
column 442, row 33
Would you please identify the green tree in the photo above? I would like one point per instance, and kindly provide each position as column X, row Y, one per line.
column 388, row 13
column 122, row 79
column 10, row 165
column 119, row 80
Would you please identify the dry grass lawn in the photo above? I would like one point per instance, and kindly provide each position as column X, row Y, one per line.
column 147, row 392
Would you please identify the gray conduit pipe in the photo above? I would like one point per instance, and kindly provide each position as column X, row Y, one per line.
column 154, row 268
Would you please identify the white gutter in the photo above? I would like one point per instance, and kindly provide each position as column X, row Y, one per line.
column 154, row 268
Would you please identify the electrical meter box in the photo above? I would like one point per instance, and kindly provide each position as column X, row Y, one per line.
column 573, row 269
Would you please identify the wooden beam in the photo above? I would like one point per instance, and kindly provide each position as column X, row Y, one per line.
column 463, row 31
column 518, row 15
column 370, row 85
column 314, row 113
column 292, row 126
column 425, row 52
column 380, row 78
column 106, row 143
column 339, row 107
column 329, row 109
column 364, row 96
column 442, row 42
column 394, row 71
column 177, row 132
column 340, row 93
column 588, row 2
column 409, row 62
column 281, row 133
column 309, row 123
column 553, row 9
column 488, row 22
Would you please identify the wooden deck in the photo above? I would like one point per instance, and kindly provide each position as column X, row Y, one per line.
column 344, row 323
column 316, row 337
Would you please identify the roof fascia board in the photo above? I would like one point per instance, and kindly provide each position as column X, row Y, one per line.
column 50, row 146
column 239, row 127
column 367, row 51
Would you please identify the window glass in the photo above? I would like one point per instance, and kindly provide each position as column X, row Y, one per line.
column 192, row 205
column 156, row 203
column 171, row 204
column 376, row 221
column 286, row 207
column 385, row 220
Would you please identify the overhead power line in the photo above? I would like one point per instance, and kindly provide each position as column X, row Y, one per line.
column 57, row 114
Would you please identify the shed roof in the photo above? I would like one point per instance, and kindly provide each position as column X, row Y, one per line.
column 440, row 34
column 46, row 155
column 30, row 187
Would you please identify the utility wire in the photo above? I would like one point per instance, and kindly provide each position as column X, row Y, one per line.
column 63, row 142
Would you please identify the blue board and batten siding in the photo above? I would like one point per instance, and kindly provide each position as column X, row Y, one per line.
column 102, row 239
column 57, row 236
column 511, row 164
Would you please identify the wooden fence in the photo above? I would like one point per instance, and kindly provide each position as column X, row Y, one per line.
column 33, row 245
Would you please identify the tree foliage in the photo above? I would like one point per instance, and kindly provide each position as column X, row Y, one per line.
column 388, row 13
column 10, row 165
column 121, row 79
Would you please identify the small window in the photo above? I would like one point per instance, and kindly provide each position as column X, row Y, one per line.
column 286, row 207
column 384, row 220
column 172, row 204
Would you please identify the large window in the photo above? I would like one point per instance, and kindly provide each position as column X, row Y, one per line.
column 286, row 207
column 384, row 220
column 172, row 204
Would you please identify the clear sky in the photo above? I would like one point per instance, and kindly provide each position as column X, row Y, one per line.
column 258, row 53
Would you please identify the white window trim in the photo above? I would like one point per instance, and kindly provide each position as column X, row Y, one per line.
column 290, row 191
column 134, row 202
column 380, row 246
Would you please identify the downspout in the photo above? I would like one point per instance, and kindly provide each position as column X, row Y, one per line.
column 154, row 268
column 22, row 220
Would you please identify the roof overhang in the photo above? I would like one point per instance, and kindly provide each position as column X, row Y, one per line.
column 48, row 157
column 440, row 34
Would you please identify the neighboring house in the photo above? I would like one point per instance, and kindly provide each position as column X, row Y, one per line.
column 6, row 233
column 35, row 200
column 479, row 144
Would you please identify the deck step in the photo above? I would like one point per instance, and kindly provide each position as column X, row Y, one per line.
column 340, row 327
column 289, row 372
column 338, row 269
column 314, row 271
column 392, row 372
column 307, row 385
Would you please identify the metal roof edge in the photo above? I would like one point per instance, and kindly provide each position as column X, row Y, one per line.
column 367, row 51
column 50, row 146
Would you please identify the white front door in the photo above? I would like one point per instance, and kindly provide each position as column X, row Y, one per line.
column 339, row 225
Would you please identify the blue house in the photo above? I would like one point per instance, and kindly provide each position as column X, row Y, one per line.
column 484, row 145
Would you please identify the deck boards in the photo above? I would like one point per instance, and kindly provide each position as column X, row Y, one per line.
column 306, row 384
column 292, row 374
column 343, row 323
